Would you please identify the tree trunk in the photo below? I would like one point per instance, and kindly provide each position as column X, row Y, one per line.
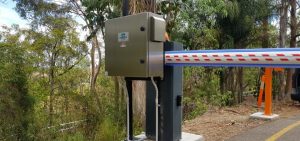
column 91, row 107
column 265, row 36
column 222, row 74
column 222, row 81
column 139, row 87
column 240, row 87
column 282, row 43
column 293, row 44
column 231, row 83
column 93, row 65
column 137, row 6
column 95, row 68
column 51, row 80
column 283, row 23
column 238, row 83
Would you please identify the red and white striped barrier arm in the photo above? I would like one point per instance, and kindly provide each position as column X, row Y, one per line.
column 281, row 57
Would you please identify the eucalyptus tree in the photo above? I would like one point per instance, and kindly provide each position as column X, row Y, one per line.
column 54, row 38
column 196, row 21
column 197, row 27
column 61, row 51
column 236, row 31
column 294, row 25
column 94, row 13
column 137, row 6
column 283, row 15
column 15, row 102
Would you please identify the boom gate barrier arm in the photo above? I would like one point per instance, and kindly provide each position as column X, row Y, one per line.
column 135, row 50
column 275, row 57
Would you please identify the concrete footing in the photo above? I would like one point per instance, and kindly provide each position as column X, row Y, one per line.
column 185, row 137
column 260, row 115
column 191, row 137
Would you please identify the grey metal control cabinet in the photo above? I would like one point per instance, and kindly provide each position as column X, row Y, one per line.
column 134, row 45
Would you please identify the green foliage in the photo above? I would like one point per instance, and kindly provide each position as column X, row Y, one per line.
column 196, row 22
column 201, row 89
column 51, row 53
column 96, row 12
column 222, row 100
column 108, row 131
column 15, row 103
column 40, row 11
column 73, row 137
column 193, row 108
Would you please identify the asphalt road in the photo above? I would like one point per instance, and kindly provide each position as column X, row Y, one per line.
column 284, row 129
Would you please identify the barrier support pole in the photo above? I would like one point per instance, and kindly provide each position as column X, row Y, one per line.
column 268, row 92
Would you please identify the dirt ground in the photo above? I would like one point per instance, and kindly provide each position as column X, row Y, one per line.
column 219, row 124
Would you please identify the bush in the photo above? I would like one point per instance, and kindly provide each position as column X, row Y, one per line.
column 192, row 108
column 201, row 89
column 108, row 131
column 15, row 103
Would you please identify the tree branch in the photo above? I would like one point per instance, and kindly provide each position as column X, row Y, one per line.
column 71, row 67
column 99, row 59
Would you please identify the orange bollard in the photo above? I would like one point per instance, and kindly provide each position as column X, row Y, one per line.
column 261, row 91
column 268, row 92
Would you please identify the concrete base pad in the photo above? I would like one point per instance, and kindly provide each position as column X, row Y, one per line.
column 185, row 137
column 260, row 115
column 191, row 137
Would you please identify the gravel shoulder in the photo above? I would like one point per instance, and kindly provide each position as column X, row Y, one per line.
column 222, row 123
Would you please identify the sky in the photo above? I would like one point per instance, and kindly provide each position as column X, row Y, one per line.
column 8, row 16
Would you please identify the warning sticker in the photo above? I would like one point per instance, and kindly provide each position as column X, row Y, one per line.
column 123, row 37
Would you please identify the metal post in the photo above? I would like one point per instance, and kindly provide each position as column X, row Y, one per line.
column 170, row 110
column 129, row 110
column 125, row 8
column 125, row 12
column 171, row 89
column 150, row 111
column 268, row 92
